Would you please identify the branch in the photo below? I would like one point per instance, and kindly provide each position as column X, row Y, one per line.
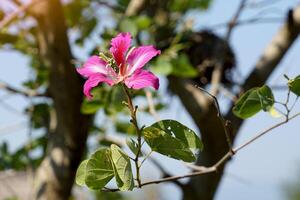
column 271, row 57
column 151, row 105
column 7, row 20
column 234, row 19
column 26, row 93
column 224, row 122
column 201, row 170
column 134, row 7
column 254, row 20
column 218, row 70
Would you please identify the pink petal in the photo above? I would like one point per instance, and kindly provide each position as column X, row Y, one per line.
column 119, row 46
column 139, row 57
column 142, row 78
column 93, row 65
column 93, row 81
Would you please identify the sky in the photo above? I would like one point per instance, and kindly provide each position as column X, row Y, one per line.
column 261, row 170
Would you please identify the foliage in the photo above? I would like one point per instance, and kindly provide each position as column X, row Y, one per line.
column 253, row 101
column 166, row 137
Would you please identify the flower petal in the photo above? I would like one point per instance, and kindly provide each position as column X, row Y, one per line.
column 139, row 57
column 92, row 66
column 142, row 78
column 119, row 46
column 93, row 81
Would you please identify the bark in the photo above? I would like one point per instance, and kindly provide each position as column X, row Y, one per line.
column 67, row 139
column 204, row 115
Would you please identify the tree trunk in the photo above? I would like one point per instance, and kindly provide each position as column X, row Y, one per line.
column 67, row 138
column 204, row 114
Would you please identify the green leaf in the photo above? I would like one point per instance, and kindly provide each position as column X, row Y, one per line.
column 181, row 132
column 133, row 146
column 81, row 173
column 90, row 106
column 162, row 66
column 183, row 68
column 122, row 168
column 98, row 101
column 253, row 101
column 114, row 100
column 294, row 85
column 143, row 21
column 247, row 105
column 128, row 25
column 125, row 128
column 184, row 5
column 164, row 143
column 266, row 98
column 99, row 169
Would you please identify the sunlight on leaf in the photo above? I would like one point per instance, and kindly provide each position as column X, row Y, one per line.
column 81, row 173
column 122, row 168
column 99, row 169
column 274, row 113
column 294, row 85
column 253, row 101
column 166, row 144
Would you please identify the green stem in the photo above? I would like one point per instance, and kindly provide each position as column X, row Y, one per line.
column 133, row 120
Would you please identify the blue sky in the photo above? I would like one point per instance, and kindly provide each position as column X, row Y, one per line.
column 257, row 172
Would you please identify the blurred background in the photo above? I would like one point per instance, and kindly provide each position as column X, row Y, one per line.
column 47, row 127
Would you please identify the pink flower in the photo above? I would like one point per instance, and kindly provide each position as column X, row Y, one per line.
column 124, row 67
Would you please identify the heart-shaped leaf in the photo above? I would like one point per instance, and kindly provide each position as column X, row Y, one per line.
column 166, row 144
column 294, row 85
column 81, row 173
column 253, row 101
column 99, row 169
column 122, row 168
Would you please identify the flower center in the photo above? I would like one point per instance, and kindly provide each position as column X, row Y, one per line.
column 108, row 58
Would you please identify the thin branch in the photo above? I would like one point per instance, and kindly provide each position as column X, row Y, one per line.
column 218, row 69
column 263, row 3
column 234, row 19
column 263, row 133
column 134, row 7
column 26, row 93
column 215, row 167
column 145, row 158
column 255, row 20
column 7, row 20
column 133, row 110
column 151, row 105
column 224, row 122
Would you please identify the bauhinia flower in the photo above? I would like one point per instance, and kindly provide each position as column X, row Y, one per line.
column 123, row 66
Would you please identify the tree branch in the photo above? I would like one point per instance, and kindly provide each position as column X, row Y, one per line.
column 26, row 93
column 22, row 8
column 214, row 168
column 204, row 114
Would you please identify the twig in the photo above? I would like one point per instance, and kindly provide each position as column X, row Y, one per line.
column 218, row 69
column 133, row 120
column 214, row 168
column 255, row 20
column 263, row 133
column 220, row 116
column 26, row 93
column 134, row 7
column 234, row 19
column 151, row 105
column 7, row 20
column 145, row 158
